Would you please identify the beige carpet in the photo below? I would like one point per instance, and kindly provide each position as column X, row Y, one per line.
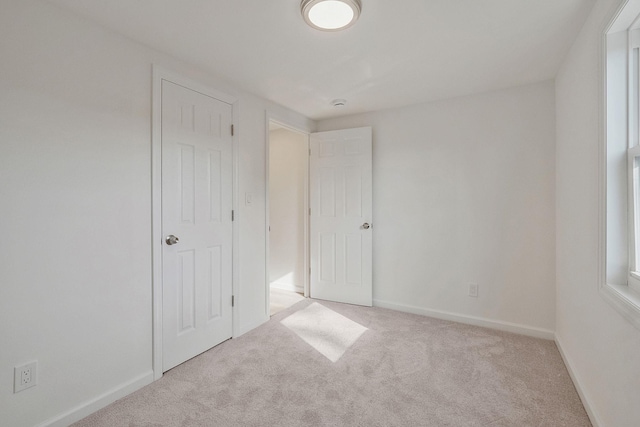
column 280, row 299
column 402, row 370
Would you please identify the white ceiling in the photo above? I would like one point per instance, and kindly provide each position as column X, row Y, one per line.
column 400, row 52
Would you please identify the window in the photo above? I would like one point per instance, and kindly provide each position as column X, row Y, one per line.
column 633, row 161
column 620, row 239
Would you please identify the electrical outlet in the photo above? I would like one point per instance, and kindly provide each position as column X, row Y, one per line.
column 25, row 376
column 473, row 290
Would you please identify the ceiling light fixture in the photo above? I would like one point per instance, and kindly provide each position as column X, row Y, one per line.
column 330, row 15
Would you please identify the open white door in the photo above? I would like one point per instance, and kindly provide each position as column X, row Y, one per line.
column 341, row 216
column 197, row 159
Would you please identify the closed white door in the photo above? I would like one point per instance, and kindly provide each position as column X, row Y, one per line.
column 341, row 216
column 196, row 223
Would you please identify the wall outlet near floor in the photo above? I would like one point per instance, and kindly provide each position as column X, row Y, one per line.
column 25, row 376
column 473, row 290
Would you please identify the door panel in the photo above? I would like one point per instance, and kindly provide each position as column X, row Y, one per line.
column 341, row 202
column 214, row 281
column 196, row 207
column 186, row 290
column 353, row 254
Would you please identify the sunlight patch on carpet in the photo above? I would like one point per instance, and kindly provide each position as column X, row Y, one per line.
column 325, row 330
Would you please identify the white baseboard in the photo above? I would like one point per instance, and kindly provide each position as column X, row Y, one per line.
column 89, row 407
column 287, row 287
column 469, row 320
column 593, row 416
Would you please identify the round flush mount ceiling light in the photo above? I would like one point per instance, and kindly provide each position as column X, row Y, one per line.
column 330, row 15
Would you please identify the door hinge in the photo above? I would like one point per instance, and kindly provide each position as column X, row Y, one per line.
column 309, row 271
column 233, row 300
column 232, row 130
column 309, row 211
column 233, row 215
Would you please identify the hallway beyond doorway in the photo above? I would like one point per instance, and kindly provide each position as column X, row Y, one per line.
column 281, row 299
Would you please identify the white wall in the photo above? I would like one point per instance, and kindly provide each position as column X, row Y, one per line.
column 75, row 258
column 464, row 192
column 602, row 348
column 288, row 159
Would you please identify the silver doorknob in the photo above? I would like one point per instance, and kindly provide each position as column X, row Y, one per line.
column 171, row 240
column 366, row 226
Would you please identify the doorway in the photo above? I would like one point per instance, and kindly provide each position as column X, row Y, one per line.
column 319, row 214
column 287, row 216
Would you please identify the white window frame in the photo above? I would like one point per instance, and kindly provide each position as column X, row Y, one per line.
column 633, row 154
column 619, row 281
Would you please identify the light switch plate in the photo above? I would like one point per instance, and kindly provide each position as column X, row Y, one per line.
column 473, row 290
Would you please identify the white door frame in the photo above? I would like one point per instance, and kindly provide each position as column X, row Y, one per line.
column 158, row 75
column 272, row 118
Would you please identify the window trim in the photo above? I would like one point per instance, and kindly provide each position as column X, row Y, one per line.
column 624, row 297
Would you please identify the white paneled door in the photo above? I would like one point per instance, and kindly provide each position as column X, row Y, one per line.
column 341, row 216
column 197, row 158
